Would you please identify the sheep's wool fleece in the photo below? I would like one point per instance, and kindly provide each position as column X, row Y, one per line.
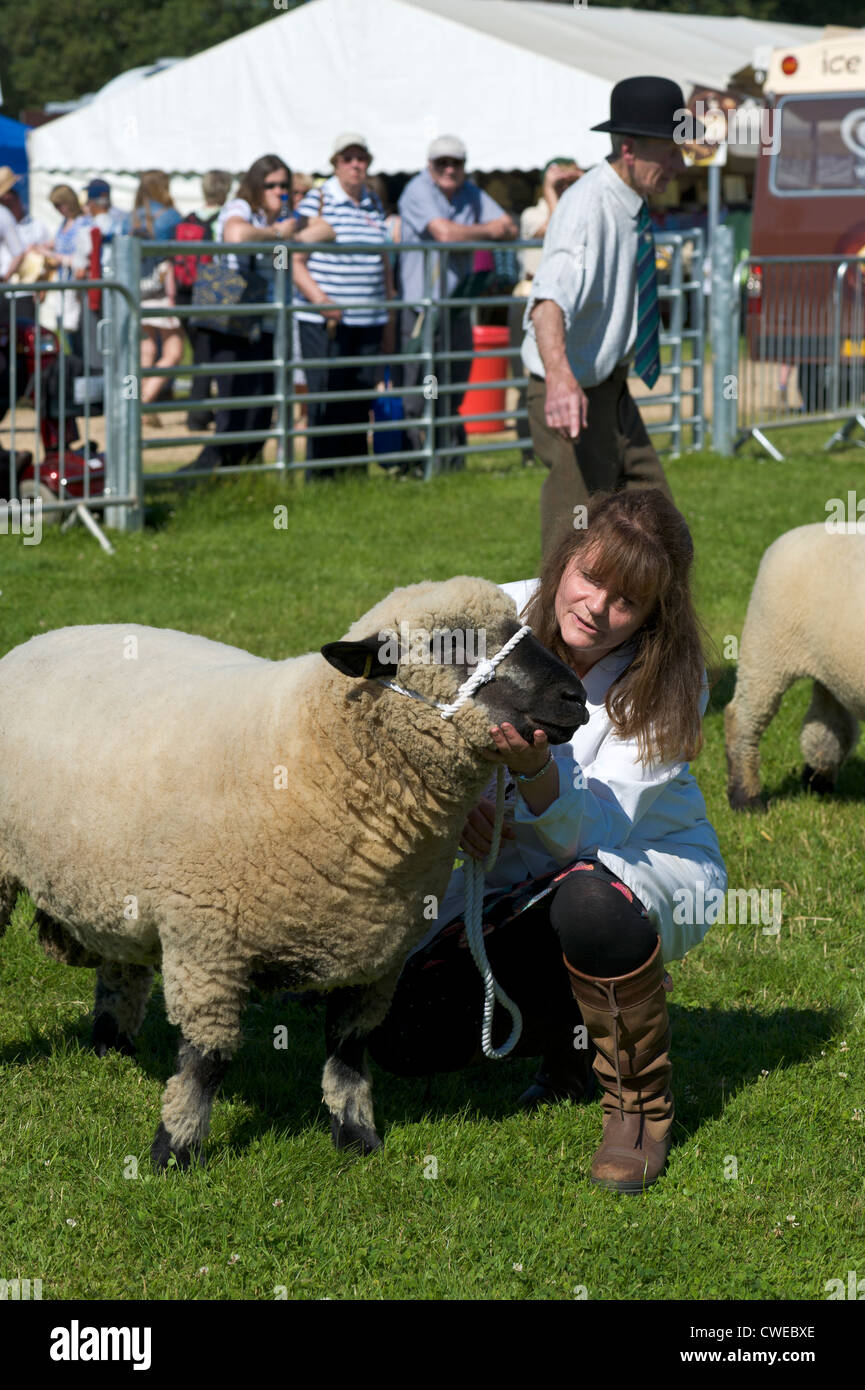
column 802, row 615
column 161, row 792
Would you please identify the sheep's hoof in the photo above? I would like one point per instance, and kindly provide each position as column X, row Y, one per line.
column 162, row 1152
column 108, row 1038
column 817, row 782
column 740, row 800
column 358, row 1138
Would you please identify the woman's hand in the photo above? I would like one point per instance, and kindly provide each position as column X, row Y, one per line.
column 515, row 753
column 477, row 836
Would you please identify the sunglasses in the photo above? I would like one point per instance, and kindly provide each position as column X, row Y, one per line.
column 281, row 184
column 448, row 163
column 354, row 158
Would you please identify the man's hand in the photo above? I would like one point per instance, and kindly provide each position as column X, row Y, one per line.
column 477, row 836
column 566, row 408
column 500, row 229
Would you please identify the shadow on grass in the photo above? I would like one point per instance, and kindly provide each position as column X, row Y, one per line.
column 851, row 785
column 716, row 1053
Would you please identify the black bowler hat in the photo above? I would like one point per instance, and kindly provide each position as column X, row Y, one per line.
column 645, row 106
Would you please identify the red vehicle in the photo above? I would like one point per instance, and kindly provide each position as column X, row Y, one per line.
column 809, row 200
column 78, row 460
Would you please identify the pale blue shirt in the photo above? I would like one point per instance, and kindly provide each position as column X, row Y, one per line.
column 421, row 202
column 589, row 268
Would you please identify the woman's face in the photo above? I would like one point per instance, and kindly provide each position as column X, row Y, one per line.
column 276, row 187
column 592, row 619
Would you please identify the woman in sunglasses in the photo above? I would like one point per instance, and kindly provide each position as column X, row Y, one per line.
column 261, row 210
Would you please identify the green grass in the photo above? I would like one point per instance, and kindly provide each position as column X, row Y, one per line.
column 767, row 1032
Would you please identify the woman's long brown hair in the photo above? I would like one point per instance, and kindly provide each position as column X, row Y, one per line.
column 638, row 544
column 154, row 186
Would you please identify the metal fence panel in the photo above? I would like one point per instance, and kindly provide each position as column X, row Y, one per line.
column 55, row 396
column 77, row 474
column 800, row 341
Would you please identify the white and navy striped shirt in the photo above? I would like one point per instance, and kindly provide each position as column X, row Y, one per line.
column 353, row 276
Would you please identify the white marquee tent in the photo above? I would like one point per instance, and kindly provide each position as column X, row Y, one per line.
column 520, row 81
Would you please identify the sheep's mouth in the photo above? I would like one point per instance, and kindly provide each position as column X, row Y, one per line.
column 557, row 733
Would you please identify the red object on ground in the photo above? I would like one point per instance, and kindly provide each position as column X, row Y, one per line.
column 487, row 369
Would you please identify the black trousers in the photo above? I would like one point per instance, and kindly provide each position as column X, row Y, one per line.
column 450, row 373
column 348, row 340
column 224, row 350
column 434, row 1021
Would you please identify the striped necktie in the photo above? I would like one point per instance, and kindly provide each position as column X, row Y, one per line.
column 647, row 351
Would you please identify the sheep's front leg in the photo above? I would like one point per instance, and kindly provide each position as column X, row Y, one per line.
column 186, row 1105
column 204, row 996
column 350, row 1017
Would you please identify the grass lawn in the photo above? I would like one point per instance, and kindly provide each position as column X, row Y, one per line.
column 764, row 1196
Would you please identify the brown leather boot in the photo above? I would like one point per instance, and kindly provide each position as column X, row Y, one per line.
column 627, row 1021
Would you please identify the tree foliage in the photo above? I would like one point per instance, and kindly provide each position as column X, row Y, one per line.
column 58, row 52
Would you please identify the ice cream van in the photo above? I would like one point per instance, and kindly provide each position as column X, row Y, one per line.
column 809, row 200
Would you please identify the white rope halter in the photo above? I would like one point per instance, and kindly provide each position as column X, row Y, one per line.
column 473, row 869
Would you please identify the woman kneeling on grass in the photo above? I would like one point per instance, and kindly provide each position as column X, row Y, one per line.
column 579, row 909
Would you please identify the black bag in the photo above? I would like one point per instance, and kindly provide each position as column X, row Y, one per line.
column 217, row 284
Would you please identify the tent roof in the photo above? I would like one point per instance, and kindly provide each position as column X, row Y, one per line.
column 518, row 80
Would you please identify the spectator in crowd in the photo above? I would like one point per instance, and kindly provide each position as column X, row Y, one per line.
column 322, row 277
column 215, row 187
column 31, row 230
column 300, row 186
column 155, row 218
column 109, row 219
column 65, row 251
column 96, row 244
column 593, row 310
column 441, row 205
column 558, row 175
column 12, row 251
column 260, row 211
column 377, row 184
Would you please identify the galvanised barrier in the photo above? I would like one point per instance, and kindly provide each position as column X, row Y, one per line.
column 798, row 339
column 118, row 346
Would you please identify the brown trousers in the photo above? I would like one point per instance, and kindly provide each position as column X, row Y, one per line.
column 613, row 451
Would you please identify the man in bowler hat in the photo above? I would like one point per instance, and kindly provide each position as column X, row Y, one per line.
column 593, row 312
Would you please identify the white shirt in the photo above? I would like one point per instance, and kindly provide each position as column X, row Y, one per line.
column 11, row 244
column 646, row 824
column 589, row 267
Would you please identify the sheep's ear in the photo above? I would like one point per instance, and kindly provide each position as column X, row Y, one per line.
column 369, row 657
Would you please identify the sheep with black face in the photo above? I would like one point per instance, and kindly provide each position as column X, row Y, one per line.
column 233, row 820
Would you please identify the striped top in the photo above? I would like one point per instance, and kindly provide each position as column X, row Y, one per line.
column 353, row 276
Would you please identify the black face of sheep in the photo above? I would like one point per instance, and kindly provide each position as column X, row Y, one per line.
column 531, row 689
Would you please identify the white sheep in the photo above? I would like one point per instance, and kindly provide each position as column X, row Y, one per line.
column 802, row 621
column 172, row 802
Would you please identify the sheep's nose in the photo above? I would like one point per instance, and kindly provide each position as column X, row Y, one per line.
column 573, row 694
